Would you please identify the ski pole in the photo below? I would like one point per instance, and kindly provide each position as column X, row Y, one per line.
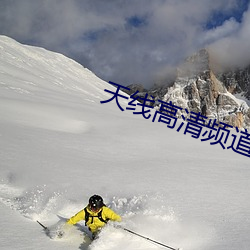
column 146, row 238
column 45, row 228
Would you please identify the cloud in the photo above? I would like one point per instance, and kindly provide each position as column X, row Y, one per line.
column 228, row 28
column 124, row 41
column 233, row 49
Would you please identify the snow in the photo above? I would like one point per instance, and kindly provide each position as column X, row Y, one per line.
column 59, row 146
column 242, row 99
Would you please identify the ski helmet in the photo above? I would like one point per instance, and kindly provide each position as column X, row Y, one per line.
column 95, row 202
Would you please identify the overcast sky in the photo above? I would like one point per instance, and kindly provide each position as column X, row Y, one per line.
column 131, row 41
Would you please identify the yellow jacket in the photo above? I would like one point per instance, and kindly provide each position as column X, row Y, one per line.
column 94, row 223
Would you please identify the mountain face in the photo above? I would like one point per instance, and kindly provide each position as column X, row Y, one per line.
column 198, row 88
column 237, row 81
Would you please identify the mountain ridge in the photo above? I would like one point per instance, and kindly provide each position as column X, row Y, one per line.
column 198, row 87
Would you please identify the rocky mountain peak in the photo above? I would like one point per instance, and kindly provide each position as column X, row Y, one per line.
column 197, row 64
column 198, row 88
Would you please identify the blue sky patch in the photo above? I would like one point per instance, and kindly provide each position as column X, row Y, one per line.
column 219, row 17
column 136, row 21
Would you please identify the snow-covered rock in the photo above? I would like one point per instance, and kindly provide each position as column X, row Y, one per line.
column 198, row 89
column 201, row 91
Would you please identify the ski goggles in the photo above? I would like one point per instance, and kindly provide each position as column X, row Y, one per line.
column 94, row 208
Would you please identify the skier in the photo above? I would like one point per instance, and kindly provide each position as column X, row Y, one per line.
column 95, row 214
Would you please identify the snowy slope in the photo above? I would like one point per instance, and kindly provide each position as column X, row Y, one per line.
column 59, row 145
